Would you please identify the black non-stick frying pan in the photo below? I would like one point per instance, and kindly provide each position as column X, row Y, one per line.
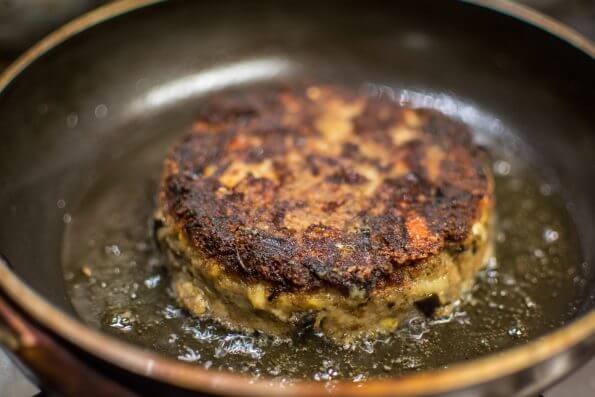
column 126, row 73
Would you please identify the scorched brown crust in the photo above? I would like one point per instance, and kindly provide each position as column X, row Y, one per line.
column 323, row 186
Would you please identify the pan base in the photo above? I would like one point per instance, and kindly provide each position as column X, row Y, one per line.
column 118, row 283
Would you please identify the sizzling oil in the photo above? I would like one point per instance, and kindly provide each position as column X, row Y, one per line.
column 118, row 283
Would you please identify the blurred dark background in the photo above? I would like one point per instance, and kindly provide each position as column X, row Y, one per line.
column 22, row 22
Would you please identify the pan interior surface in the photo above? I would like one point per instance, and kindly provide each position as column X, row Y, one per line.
column 118, row 282
column 81, row 164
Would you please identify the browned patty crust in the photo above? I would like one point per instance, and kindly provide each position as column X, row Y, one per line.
column 323, row 186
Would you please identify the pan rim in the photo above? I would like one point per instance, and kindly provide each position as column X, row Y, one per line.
column 136, row 360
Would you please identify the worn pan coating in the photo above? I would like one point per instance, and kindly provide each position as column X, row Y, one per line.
column 128, row 70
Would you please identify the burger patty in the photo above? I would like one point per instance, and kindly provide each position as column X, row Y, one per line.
column 322, row 205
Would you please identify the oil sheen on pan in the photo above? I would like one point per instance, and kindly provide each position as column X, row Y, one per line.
column 373, row 181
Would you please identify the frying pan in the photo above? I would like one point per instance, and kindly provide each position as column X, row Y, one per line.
column 130, row 70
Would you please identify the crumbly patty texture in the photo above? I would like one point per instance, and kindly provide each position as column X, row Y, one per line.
column 322, row 186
